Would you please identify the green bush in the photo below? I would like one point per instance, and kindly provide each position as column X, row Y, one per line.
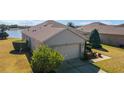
column 20, row 45
column 45, row 60
column 4, row 35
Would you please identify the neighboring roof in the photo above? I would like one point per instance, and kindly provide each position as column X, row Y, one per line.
column 78, row 32
column 103, row 28
column 46, row 30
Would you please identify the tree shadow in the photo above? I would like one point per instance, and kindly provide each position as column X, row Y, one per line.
column 103, row 49
column 121, row 46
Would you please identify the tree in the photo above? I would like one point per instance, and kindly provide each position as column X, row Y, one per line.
column 95, row 39
column 13, row 26
column 45, row 59
column 70, row 24
column 3, row 34
column 3, row 27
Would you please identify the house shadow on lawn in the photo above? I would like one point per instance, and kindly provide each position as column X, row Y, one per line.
column 28, row 54
column 16, row 52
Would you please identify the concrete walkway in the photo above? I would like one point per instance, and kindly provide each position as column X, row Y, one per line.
column 101, row 59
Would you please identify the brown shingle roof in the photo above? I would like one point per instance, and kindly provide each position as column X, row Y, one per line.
column 103, row 29
column 46, row 30
column 78, row 32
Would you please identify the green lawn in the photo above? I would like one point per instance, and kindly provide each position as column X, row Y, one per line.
column 116, row 63
column 10, row 62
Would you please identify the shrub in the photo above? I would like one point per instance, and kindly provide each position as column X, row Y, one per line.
column 20, row 45
column 45, row 59
column 3, row 35
column 95, row 39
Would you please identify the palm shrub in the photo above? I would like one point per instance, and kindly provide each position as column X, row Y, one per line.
column 95, row 39
column 45, row 59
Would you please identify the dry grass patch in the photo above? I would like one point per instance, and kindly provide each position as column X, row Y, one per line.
column 116, row 63
column 12, row 62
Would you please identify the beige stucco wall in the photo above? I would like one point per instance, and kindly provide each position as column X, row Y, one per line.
column 115, row 40
column 35, row 43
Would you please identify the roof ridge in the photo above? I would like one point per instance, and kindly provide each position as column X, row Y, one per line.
column 79, row 34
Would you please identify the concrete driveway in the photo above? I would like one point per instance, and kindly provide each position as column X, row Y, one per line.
column 78, row 66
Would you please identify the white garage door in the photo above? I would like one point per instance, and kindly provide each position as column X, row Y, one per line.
column 69, row 51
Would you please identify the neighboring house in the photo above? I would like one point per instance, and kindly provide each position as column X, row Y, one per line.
column 109, row 34
column 68, row 41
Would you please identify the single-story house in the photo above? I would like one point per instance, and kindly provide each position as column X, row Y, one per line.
column 109, row 34
column 68, row 41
